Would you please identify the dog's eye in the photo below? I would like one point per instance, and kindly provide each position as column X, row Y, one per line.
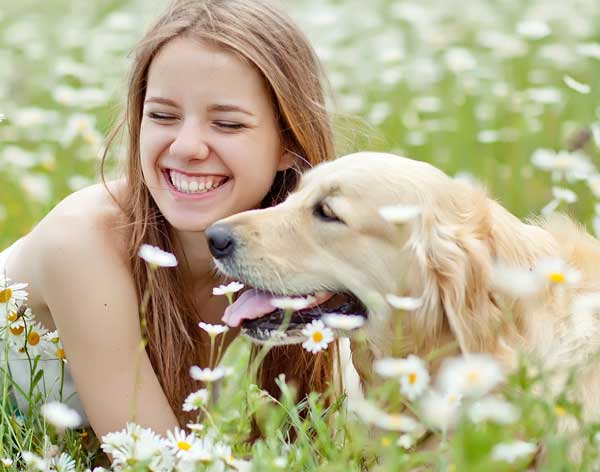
column 325, row 213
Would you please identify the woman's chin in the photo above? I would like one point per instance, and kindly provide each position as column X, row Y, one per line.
column 194, row 223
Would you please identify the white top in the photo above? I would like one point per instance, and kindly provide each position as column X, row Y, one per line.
column 19, row 365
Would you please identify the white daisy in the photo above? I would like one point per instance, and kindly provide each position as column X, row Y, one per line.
column 156, row 257
column 29, row 341
column 136, row 444
column 389, row 367
column 63, row 463
column 60, row 415
column 209, row 375
column 533, row 29
column 564, row 194
column 440, row 411
column 239, row 464
column 233, row 287
column 343, row 322
column 516, row 281
column 557, row 272
column 14, row 315
column 513, row 451
column 12, row 292
column 318, row 336
column 34, row 461
column 588, row 50
column 372, row 414
column 2, row 117
column 6, row 461
column 196, row 400
column 405, row 441
column 560, row 195
column 579, row 87
column 403, row 303
column 205, row 450
column 180, row 442
column 292, row 303
column 53, row 346
column 494, row 409
column 472, row 375
column 212, row 329
column 415, row 378
column 399, row 214
column 411, row 372
column 564, row 164
column 197, row 427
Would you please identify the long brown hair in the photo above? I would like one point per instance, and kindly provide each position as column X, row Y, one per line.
column 257, row 32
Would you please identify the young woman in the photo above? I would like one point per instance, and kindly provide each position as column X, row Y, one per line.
column 225, row 107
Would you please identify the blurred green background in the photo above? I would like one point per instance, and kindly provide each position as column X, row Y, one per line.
column 474, row 86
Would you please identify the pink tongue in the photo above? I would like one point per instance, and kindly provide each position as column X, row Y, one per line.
column 250, row 305
column 255, row 303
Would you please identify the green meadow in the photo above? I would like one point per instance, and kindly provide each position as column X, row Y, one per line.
column 501, row 92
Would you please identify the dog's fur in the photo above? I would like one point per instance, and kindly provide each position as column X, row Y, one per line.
column 445, row 256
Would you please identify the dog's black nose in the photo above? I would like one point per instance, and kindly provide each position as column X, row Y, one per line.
column 220, row 241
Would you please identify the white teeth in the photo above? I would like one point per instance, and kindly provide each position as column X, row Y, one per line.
column 187, row 184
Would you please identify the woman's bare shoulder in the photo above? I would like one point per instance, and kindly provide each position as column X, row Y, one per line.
column 84, row 228
column 84, row 218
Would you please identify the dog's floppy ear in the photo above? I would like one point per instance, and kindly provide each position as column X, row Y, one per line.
column 453, row 249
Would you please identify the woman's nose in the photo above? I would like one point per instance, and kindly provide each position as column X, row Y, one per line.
column 190, row 142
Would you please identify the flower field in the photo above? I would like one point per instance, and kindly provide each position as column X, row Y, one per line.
column 501, row 92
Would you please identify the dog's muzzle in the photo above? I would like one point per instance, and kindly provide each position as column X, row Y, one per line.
column 221, row 241
column 224, row 246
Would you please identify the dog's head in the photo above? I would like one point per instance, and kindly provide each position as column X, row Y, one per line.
column 328, row 239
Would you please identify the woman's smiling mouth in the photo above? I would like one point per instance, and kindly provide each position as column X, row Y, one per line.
column 193, row 186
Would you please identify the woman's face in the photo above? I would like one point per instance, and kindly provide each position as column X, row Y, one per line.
column 209, row 141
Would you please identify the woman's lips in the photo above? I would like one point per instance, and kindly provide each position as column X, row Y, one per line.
column 193, row 196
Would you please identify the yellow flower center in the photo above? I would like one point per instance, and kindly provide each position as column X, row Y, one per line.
column 16, row 330
column 5, row 295
column 33, row 339
column 396, row 420
column 60, row 354
column 472, row 377
column 412, row 378
column 317, row 337
column 184, row 445
column 557, row 277
column 452, row 399
column 385, row 441
column 12, row 316
column 560, row 411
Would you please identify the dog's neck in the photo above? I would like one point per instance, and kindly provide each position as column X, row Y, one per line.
column 462, row 310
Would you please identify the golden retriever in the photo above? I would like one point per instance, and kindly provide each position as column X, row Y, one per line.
column 328, row 238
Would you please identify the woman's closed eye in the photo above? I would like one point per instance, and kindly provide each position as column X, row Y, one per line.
column 160, row 116
column 229, row 125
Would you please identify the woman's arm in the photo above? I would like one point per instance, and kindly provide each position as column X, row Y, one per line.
column 90, row 292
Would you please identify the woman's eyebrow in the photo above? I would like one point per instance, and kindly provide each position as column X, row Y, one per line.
column 223, row 107
column 160, row 100
column 215, row 107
